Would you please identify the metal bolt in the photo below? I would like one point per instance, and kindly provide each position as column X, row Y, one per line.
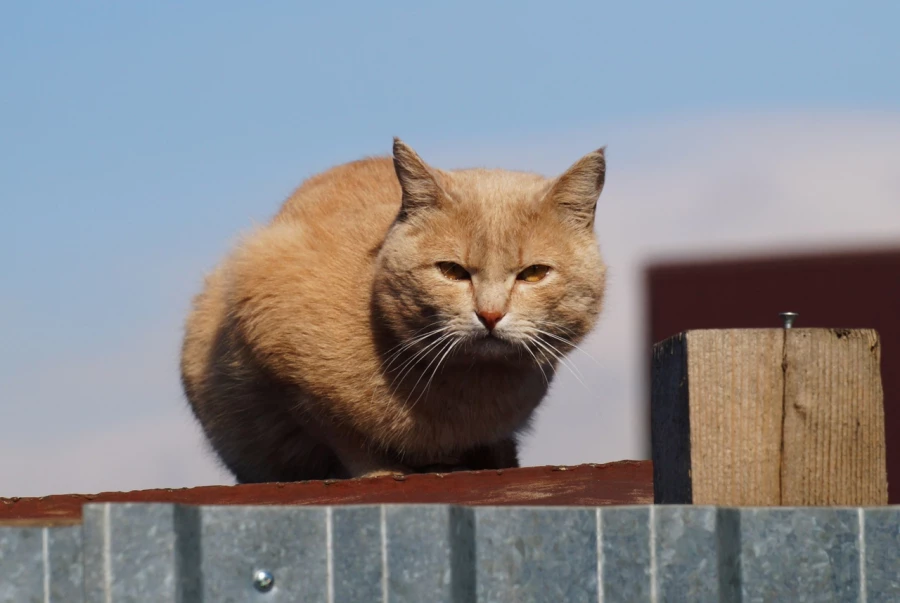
column 263, row 581
column 788, row 318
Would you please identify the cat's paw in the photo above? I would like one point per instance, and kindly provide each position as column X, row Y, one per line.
column 383, row 473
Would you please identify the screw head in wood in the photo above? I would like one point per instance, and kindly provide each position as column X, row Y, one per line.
column 788, row 318
column 263, row 581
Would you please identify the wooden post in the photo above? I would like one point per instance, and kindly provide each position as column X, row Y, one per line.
column 768, row 417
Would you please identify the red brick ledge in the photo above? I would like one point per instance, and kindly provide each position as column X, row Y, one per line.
column 621, row 483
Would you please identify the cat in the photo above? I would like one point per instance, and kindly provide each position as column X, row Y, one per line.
column 394, row 318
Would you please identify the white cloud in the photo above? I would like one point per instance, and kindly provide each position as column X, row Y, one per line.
column 726, row 184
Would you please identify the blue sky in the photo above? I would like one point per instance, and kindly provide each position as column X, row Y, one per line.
column 137, row 141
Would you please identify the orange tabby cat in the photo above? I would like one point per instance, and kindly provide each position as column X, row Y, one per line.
column 394, row 317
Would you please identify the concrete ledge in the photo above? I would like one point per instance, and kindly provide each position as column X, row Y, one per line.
column 444, row 553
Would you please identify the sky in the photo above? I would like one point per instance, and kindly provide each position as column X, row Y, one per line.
column 137, row 142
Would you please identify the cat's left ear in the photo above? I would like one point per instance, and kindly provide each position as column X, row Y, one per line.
column 418, row 180
column 576, row 192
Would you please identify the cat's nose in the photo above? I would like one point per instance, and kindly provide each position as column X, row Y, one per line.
column 490, row 319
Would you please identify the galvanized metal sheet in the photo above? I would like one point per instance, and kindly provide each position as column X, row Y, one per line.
column 435, row 553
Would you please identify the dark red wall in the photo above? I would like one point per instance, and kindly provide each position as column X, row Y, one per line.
column 850, row 290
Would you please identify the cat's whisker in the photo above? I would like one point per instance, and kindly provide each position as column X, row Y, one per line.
column 548, row 359
column 548, row 353
column 418, row 334
column 564, row 358
column 422, row 350
column 386, row 365
column 437, row 357
column 537, row 362
column 414, row 334
column 568, row 332
column 558, row 355
column 552, row 323
column 567, row 342
column 573, row 368
column 434, row 372
column 411, row 363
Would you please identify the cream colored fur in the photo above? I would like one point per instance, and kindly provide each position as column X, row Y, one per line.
column 331, row 344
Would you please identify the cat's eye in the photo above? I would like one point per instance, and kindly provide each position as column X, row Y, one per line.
column 453, row 271
column 533, row 274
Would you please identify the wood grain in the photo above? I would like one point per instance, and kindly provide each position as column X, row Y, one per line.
column 834, row 439
column 769, row 417
column 737, row 385
column 716, row 417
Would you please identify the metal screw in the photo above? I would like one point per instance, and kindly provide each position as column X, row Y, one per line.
column 788, row 318
column 263, row 581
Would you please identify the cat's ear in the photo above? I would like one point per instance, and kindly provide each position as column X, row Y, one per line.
column 575, row 193
column 418, row 181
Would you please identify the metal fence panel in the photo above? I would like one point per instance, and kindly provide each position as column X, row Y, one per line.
column 441, row 553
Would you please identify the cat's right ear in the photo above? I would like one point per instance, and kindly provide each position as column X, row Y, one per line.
column 575, row 193
column 418, row 181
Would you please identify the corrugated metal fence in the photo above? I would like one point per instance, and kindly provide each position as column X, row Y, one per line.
column 431, row 554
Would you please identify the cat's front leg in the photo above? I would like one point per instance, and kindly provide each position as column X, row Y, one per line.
column 500, row 455
column 397, row 472
column 359, row 460
column 354, row 455
column 373, row 467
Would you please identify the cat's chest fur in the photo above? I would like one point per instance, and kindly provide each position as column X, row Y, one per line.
column 462, row 407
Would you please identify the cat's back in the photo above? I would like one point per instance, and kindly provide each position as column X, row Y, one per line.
column 360, row 194
column 303, row 281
